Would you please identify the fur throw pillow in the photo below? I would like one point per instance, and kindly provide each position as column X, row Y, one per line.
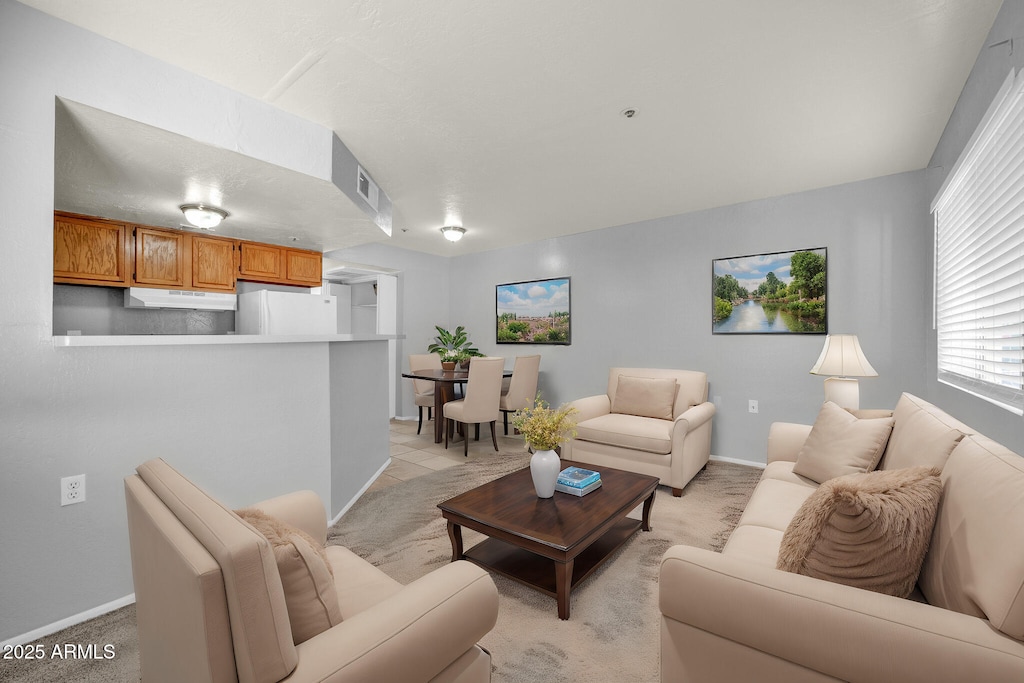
column 868, row 530
column 306, row 575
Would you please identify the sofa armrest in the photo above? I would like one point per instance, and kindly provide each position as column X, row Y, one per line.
column 591, row 406
column 411, row 636
column 302, row 509
column 692, row 418
column 785, row 439
column 849, row 633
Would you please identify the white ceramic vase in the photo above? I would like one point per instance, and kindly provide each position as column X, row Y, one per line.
column 545, row 466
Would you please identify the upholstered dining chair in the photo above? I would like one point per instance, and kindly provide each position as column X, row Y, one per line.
column 522, row 389
column 424, row 390
column 480, row 404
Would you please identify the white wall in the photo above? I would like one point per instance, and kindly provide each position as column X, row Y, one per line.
column 247, row 422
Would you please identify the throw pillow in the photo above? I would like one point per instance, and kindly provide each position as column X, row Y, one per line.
column 868, row 530
column 645, row 396
column 840, row 443
column 306, row 575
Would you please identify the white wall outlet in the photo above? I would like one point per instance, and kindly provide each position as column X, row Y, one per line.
column 72, row 490
column 752, row 406
column 717, row 400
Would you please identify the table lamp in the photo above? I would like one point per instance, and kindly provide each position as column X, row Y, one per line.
column 843, row 359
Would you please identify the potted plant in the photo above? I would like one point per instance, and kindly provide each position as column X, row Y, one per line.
column 457, row 341
column 449, row 357
column 544, row 429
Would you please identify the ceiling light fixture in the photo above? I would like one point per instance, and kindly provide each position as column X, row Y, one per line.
column 453, row 233
column 203, row 216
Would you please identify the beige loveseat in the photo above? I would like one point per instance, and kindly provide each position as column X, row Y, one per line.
column 732, row 616
column 651, row 421
column 211, row 606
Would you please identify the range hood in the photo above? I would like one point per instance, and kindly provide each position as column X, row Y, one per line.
column 145, row 297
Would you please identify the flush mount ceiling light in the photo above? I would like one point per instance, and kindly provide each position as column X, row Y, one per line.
column 203, row 216
column 453, row 233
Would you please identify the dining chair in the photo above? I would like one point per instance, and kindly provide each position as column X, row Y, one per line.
column 424, row 390
column 480, row 404
column 522, row 389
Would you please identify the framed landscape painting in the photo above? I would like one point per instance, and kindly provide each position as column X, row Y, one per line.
column 534, row 312
column 779, row 293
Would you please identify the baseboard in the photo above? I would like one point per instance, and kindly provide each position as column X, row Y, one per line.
column 737, row 461
column 361, row 491
column 38, row 633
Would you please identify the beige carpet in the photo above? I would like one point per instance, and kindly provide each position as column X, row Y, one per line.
column 613, row 633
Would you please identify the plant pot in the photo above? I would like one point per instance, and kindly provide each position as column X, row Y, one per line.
column 448, row 366
column 464, row 365
column 544, row 468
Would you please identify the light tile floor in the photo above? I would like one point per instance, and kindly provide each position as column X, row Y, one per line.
column 414, row 455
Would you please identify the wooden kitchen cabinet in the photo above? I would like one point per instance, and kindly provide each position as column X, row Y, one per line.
column 279, row 265
column 260, row 262
column 303, row 267
column 161, row 258
column 213, row 263
column 90, row 251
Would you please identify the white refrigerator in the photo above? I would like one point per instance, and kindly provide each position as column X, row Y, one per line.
column 286, row 313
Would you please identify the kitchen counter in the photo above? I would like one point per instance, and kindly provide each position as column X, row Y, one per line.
column 212, row 339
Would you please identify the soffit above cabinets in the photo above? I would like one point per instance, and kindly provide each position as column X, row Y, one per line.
column 113, row 167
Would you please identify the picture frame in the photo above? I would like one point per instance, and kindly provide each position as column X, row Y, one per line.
column 534, row 312
column 783, row 292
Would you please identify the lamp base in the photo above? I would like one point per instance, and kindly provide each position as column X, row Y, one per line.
column 843, row 391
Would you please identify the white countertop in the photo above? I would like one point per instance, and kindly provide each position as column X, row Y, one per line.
column 207, row 339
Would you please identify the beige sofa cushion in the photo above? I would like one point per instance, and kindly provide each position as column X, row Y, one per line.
column 306, row 575
column 840, row 443
column 922, row 434
column 976, row 563
column 645, row 396
column 628, row 431
column 868, row 530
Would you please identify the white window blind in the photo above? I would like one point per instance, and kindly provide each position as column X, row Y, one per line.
column 979, row 258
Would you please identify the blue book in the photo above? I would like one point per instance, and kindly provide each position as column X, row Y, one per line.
column 577, row 477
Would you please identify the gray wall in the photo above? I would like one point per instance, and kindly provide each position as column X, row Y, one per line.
column 247, row 422
column 990, row 70
column 641, row 297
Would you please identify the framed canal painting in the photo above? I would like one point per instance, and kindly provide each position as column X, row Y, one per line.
column 779, row 293
column 534, row 312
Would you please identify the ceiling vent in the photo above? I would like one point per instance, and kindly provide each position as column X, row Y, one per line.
column 366, row 188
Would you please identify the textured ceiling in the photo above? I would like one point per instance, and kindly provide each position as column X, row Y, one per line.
column 504, row 117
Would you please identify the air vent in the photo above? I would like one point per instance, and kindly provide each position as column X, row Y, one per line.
column 366, row 188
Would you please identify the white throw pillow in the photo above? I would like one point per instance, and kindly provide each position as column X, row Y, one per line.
column 840, row 443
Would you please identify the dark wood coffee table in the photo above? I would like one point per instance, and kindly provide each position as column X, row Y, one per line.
column 550, row 544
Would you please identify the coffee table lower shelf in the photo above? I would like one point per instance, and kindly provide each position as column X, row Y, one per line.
column 540, row 573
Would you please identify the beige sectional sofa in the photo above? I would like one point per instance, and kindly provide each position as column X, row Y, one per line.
column 732, row 616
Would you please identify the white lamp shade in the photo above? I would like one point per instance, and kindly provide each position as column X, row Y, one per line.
column 843, row 357
column 203, row 216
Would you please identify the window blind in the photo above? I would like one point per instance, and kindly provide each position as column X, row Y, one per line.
column 979, row 258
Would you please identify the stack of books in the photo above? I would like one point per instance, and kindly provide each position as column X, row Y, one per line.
column 577, row 481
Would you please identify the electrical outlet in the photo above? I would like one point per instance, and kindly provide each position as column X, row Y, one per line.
column 717, row 400
column 752, row 406
column 72, row 490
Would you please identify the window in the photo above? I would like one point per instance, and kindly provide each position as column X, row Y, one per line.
column 979, row 258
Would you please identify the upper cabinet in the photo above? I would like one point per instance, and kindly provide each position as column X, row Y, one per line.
column 161, row 259
column 279, row 265
column 90, row 251
column 213, row 263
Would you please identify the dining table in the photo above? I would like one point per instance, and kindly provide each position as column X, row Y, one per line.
column 444, row 389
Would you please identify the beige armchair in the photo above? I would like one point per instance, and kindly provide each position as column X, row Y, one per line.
column 480, row 404
column 211, row 604
column 522, row 388
column 651, row 421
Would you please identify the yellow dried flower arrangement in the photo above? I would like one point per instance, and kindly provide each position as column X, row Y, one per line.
column 543, row 428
